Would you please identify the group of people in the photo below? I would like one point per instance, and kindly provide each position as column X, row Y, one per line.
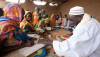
column 15, row 23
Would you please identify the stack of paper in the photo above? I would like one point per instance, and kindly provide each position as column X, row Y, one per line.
column 39, row 29
column 48, row 28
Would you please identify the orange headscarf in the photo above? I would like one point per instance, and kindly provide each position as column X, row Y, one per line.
column 52, row 21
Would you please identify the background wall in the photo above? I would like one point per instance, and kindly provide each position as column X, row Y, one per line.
column 91, row 6
column 30, row 6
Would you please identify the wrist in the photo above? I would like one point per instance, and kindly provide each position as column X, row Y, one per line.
column 49, row 42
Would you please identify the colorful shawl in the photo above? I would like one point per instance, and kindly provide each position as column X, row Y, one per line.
column 52, row 21
column 10, row 24
column 41, row 22
column 26, row 23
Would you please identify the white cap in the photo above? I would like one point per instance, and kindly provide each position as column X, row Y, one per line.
column 77, row 10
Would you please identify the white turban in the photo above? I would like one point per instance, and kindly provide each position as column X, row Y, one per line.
column 77, row 10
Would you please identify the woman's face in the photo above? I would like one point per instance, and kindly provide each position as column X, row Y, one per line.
column 29, row 16
column 37, row 9
column 54, row 17
column 43, row 11
column 65, row 16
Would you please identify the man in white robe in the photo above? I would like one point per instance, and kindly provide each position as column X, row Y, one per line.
column 85, row 41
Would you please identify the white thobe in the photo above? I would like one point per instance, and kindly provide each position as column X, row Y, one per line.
column 85, row 41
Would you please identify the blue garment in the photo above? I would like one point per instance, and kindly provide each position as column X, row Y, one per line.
column 70, row 25
column 27, row 28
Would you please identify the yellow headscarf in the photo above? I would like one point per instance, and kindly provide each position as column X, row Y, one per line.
column 25, row 22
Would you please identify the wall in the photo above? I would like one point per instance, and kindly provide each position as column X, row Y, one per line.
column 30, row 6
column 91, row 6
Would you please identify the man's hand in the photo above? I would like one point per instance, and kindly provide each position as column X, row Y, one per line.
column 43, row 41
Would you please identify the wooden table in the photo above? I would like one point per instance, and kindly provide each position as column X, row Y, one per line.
column 54, row 34
column 45, row 35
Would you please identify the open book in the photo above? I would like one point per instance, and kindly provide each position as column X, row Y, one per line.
column 26, row 51
column 34, row 35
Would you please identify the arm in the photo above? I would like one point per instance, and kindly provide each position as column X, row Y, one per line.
column 33, row 33
column 80, row 44
column 43, row 41
column 6, row 49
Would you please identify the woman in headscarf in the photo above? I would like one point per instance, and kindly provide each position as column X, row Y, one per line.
column 26, row 25
column 60, row 20
column 52, row 20
column 11, row 36
column 43, row 14
column 36, row 16
column 42, row 23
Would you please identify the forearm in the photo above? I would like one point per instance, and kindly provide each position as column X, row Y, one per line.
column 49, row 42
column 5, row 50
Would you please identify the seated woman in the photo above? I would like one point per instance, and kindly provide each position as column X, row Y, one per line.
column 52, row 20
column 36, row 16
column 43, row 23
column 26, row 25
column 57, row 20
column 11, row 36
column 43, row 14
column 64, row 20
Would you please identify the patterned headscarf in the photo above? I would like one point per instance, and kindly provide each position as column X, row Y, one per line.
column 9, row 23
column 13, row 11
